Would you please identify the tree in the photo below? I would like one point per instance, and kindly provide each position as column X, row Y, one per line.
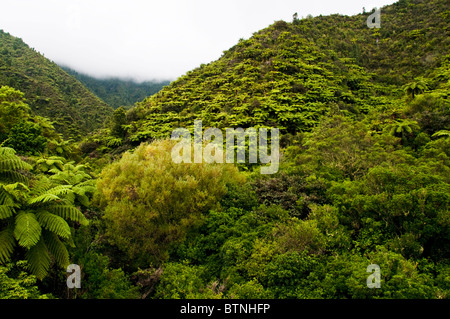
column 414, row 88
column 118, row 120
column 150, row 202
column 17, row 283
column 13, row 108
column 35, row 215
column 26, row 138
column 404, row 129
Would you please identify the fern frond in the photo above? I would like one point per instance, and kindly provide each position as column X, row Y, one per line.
column 38, row 258
column 84, row 187
column 50, row 195
column 54, row 223
column 42, row 185
column 6, row 198
column 83, row 199
column 13, row 164
column 7, row 244
column 44, row 198
column 7, row 151
column 69, row 212
column 70, row 198
column 54, row 171
column 13, row 176
column 6, row 211
column 27, row 230
column 57, row 248
column 441, row 133
column 16, row 190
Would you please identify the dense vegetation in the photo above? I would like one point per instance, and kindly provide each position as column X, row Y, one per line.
column 50, row 91
column 364, row 176
column 118, row 92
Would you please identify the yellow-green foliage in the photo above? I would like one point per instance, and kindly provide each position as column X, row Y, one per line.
column 151, row 202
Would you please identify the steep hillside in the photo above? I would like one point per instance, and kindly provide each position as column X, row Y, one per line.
column 291, row 74
column 414, row 35
column 49, row 90
column 118, row 92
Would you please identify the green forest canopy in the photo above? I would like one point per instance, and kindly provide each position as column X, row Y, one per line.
column 364, row 176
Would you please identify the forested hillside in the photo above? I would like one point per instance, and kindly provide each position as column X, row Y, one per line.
column 364, row 176
column 118, row 92
column 291, row 74
column 50, row 91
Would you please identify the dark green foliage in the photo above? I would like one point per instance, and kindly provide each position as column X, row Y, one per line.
column 17, row 283
column 26, row 138
column 118, row 120
column 118, row 92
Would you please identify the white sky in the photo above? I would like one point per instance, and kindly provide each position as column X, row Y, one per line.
column 151, row 39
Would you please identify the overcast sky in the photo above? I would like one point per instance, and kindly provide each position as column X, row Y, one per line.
column 150, row 39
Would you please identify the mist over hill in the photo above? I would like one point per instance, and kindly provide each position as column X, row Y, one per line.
column 116, row 91
column 49, row 90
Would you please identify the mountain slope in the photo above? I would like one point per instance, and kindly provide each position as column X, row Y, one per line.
column 290, row 75
column 49, row 90
column 118, row 92
column 414, row 34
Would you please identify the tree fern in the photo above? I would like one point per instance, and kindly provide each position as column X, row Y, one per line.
column 69, row 212
column 54, row 223
column 12, row 176
column 6, row 211
column 45, row 164
column 7, row 244
column 441, row 133
column 71, row 174
column 7, row 203
column 15, row 193
column 35, row 214
column 51, row 195
column 80, row 190
column 57, row 249
column 27, row 230
column 11, row 166
column 39, row 260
